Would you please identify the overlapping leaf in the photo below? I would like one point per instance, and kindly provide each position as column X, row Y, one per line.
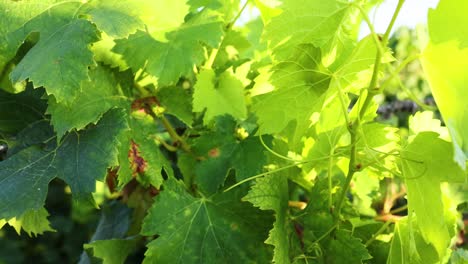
column 60, row 60
column 408, row 245
column 271, row 193
column 204, row 230
column 177, row 102
column 109, row 242
column 425, row 166
column 219, row 95
column 33, row 222
column 15, row 14
column 220, row 151
column 117, row 18
column 140, row 156
column 338, row 246
column 445, row 62
column 176, row 56
column 98, row 95
column 80, row 160
column 300, row 83
column 18, row 111
column 329, row 25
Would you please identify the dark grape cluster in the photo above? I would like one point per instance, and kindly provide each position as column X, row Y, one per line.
column 386, row 110
column 3, row 151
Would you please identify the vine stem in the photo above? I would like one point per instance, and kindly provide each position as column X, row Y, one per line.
column 170, row 129
column 380, row 231
column 372, row 90
column 214, row 52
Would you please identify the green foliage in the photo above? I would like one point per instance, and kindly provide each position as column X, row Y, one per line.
column 172, row 132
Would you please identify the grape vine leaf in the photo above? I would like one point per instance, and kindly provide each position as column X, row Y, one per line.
column 177, row 102
column 219, row 95
column 408, row 245
column 459, row 256
column 112, row 250
column 36, row 133
column 300, row 82
column 116, row 18
column 325, row 24
column 19, row 110
column 98, row 95
column 221, row 151
column 424, row 168
column 271, row 193
column 60, row 60
column 448, row 14
column 24, row 179
column 33, row 222
column 339, row 246
column 140, row 155
column 80, row 160
column 353, row 72
column 83, row 158
column 213, row 229
column 161, row 16
column 183, row 45
column 109, row 241
column 15, row 14
column 445, row 61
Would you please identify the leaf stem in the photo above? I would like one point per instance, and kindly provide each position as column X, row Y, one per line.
column 372, row 90
column 214, row 52
column 326, row 233
column 170, row 129
column 376, row 234
column 262, row 174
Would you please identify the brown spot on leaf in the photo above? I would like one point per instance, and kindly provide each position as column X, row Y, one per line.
column 234, row 227
column 137, row 163
column 214, row 153
column 111, row 178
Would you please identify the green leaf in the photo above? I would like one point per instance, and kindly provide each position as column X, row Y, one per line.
column 98, row 95
column 324, row 145
column 80, row 159
column 449, row 14
column 33, row 222
column 459, row 256
column 323, row 239
column 445, row 61
column 177, row 102
column 426, row 162
column 113, row 250
column 161, row 16
column 300, row 82
column 108, row 242
column 271, row 193
column 117, row 18
column 203, row 230
column 220, row 151
column 24, row 179
column 83, row 158
column 354, row 72
column 408, row 245
column 60, row 60
column 140, row 155
column 329, row 25
column 19, row 110
column 15, row 14
column 171, row 59
column 365, row 187
column 219, row 95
